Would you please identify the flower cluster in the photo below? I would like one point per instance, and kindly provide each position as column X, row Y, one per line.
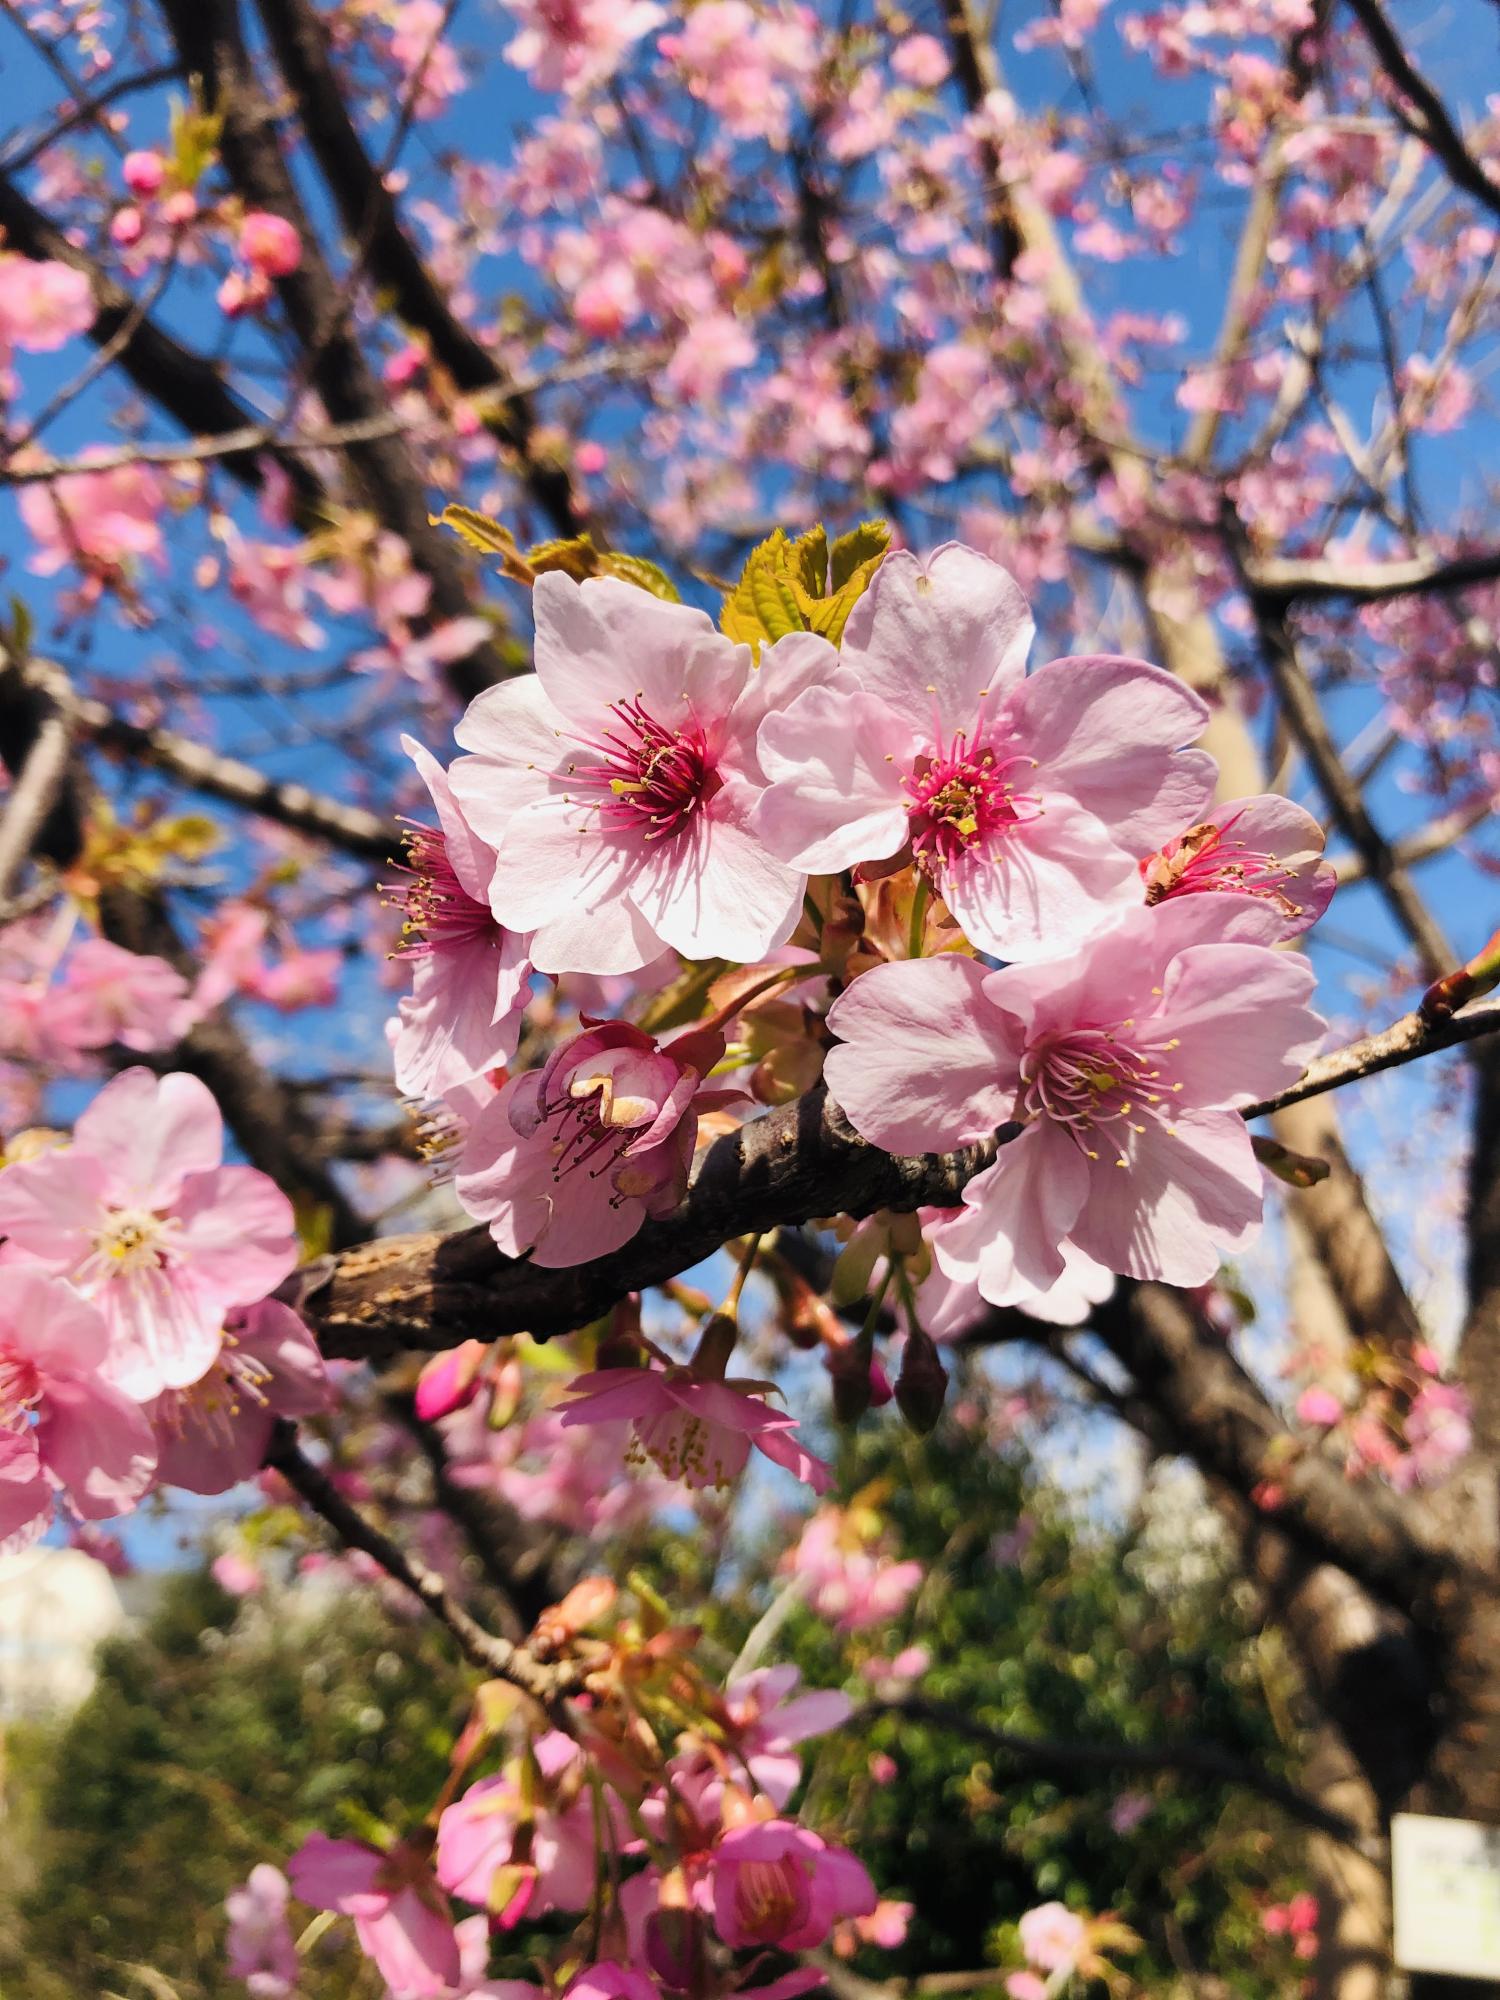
column 138, row 1343
column 1086, row 962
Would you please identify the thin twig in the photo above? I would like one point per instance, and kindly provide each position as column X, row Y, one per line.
column 497, row 1657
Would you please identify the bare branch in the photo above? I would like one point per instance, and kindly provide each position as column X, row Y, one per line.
column 1433, row 122
column 1282, row 581
column 500, row 1658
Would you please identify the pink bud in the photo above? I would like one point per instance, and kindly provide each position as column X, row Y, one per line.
column 126, row 226
column 144, row 173
column 449, row 1381
column 269, row 244
column 922, row 1384
column 590, row 458
column 404, row 365
column 180, row 208
column 1319, row 1406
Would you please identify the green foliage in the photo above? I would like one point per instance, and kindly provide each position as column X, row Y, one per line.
column 802, row 585
column 208, row 1744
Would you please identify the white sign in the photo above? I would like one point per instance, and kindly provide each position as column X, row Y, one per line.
column 1445, row 1886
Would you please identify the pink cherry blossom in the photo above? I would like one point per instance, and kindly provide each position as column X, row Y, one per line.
column 107, row 994
column 569, row 1160
column 849, row 1582
column 469, row 989
column 920, row 60
column 576, row 45
column 767, row 1719
column 692, row 1427
column 1053, row 1937
column 235, row 1573
column 269, row 244
column 260, row 1949
column 781, row 1885
column 745, row 64
column 617, row 784
column 1025, row 800
column 1319, row 1406
column 214, row 1433
column 1121, row 1065
column 43, row 304
column 400, row 1917
column 1265, row 847
column 1438, row 1434
column 61, row 1423
column 107, row 519
column 429, row 63
column 540, row 1826
column 139, row 1213
column 144, row 173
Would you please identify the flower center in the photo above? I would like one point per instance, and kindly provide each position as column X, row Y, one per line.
column 683, row 1445
column 439, row 914
column 20, row 1387
column 964, row 798
column 1207, row 858
column 770, row 1897
column 216, row 1401
column 582, row 1137
column 1089, row 1077
column 129, row 1240
column 648, row 779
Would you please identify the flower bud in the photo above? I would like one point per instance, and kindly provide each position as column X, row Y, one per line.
column 922, row 1384
column 449, row 1381
column 851, row 1369
column 674, row 1947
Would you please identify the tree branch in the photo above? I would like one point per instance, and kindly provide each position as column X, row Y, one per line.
column 499, row 1658
column 1053, row 1757
column 1433, row 124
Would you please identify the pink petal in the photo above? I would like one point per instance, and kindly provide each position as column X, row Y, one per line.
column 605, row 641
column 836, row 757
column 149, row 1132
column 1106, row 731
column 472, row 859
column 1183, row 1200
column 1017, row 1214
column 98, row 1443
column 239, row 1235
column 714, row 891
column 1239, row 1015
column 1044, row 887
column 25, row 1496
column 513, row 733
column 932, row 637
column 49, row 1207
column 927, row 1062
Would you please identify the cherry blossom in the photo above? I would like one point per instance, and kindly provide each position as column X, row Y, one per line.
column 576, row 44
column 537, row 1828
column 780, row 1884
column 107, row 994
column 214, row 1433
column 569, row 1160
column 107, row 520
column 463, row 1015
column 1265, row 847
column 43, row 304
column 1022, row 799
column 139, row 1213
column 259, row 1949
column 1121, row 1065
column 617, row 785
column 692, row 1427
column 1053, row 1937
column 849, row 1582
column 269, row 244
column 61, row 1424
column 400, row 1917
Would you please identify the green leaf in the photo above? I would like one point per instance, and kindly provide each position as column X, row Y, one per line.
column 480, row 531
column 858, row 551
column 645, row 575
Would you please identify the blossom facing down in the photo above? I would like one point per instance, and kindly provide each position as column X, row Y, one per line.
column 617, row 783
column 692, row 1427
column 1026, row 800
column 1263, row 847
column 61, row 1424
column 143, row 1219
column 259, row 1948
column 1121, row 1065
column 463, row 1015
column 520, row 1846
column 400, row 1917
column 214, row 1433
column 568, row 1161
column 779, row 1884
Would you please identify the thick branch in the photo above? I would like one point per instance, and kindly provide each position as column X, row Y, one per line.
column 1286, row 580
column 350, row 828
column 370, row 218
